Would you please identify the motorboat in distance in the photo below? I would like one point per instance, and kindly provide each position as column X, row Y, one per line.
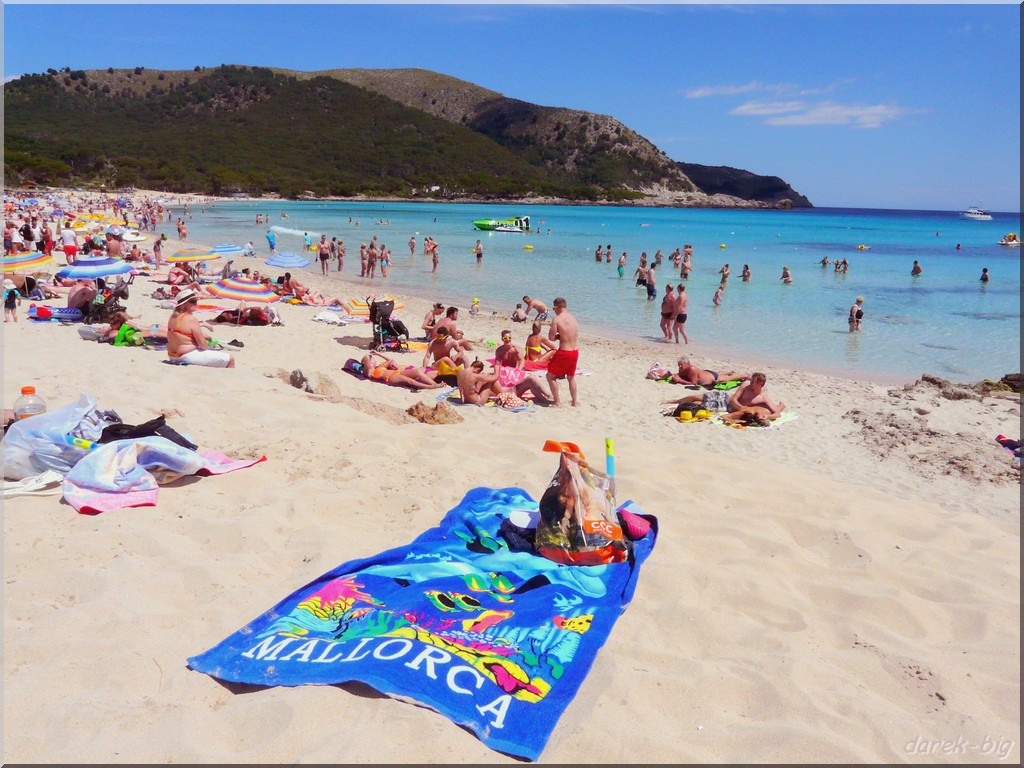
column 515, row 224
column 976, row 214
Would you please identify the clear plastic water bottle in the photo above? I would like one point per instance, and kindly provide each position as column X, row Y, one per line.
column 29, row 404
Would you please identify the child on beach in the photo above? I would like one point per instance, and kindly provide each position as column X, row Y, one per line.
column 717, row 300
column 12, row 300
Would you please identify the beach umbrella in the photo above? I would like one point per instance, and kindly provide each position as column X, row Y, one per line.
column 18, row 262
column 287, row 260
column 192, row 254
column 92, row 268
column 240, row 289
column 229, row 249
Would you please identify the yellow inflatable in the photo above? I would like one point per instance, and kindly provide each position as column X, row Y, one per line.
column 722, row 245
column 527, row 247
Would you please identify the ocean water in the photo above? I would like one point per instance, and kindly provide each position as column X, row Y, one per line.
column 944, row 322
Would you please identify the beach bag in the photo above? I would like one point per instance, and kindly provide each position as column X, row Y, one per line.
column 578, row 524
column 657, row 373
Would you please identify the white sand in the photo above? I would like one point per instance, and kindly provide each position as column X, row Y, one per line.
column 841, row 588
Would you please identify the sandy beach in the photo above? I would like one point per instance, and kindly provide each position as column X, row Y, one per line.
column 844, row 587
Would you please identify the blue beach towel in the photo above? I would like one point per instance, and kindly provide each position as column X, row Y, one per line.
column 497, row 640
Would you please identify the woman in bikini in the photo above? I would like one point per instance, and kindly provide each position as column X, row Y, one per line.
column 388, row 372
column 185, row 338
column 538, row 348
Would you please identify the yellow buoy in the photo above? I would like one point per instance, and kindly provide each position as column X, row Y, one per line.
column 527, row 247
column 722, row 245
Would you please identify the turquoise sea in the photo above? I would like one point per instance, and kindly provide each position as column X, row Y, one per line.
column 945, row 321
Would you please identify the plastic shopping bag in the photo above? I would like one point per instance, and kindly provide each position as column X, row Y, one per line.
column 578, row 524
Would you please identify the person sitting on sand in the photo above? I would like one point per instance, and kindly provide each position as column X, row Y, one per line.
column 747, row 395
column 475, row 386
column 83, row 292
column 293, row 286
column 186, row 340
column 518, row 315
column 430, row 320
column 388, row 371
column 509, row 362
column 538, row 347
column 444, row 355
column 691, row 374
column 448, row 321
column 181, row 275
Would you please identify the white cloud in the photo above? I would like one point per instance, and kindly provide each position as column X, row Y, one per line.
column 779, row 89
column 768, row 107
column 724, row 90
column 831, row 113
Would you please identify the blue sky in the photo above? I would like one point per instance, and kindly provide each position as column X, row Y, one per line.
column 878, row 106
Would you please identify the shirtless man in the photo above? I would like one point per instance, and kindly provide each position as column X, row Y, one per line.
column 448, row 322
column 747, row 398
column 430, row 320
column 444, row 355
column 323, row 251
column 682, row 302
column 538, row 306
column 475, row 386
column 691, row 374
column 565, row 330
column 684, row 271
column 294, row 287
column 622, row 264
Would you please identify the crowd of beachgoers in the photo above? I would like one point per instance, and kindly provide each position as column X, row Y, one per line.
column 831, row 552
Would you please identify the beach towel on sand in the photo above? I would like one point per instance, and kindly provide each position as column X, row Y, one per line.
column 497, row 640
column 127, row 473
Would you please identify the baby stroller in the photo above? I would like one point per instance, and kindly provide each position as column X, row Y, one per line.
column 387, row 331
column 107, row 301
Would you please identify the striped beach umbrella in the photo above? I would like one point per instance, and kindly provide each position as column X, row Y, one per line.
column 229, row 250
column 240, row 289
column 19, row 262
column 89, row 268
column 192, row 254
column 287, row 260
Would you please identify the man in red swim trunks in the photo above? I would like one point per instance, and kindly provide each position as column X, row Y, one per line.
column 565, row 330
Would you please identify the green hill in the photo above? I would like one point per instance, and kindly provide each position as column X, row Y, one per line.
column 409, row 133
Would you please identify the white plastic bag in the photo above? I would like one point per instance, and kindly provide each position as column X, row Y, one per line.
column 38, row 443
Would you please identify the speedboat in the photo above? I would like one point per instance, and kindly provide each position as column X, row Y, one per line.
column 1011, row 240
column 515, row 224
column 976, row 214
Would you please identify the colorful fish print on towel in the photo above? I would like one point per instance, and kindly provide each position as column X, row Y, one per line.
column 498, row 640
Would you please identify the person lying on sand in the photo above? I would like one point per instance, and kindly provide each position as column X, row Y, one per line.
column 389, row 372
column 691, row 374
column 748, row 394
column 756, row 415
